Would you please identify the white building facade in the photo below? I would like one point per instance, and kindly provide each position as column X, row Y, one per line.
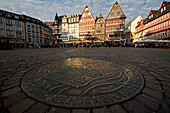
column 73, row 25
column 64, row 36
column 129, row 32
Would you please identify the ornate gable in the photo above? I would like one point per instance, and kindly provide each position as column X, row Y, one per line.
column 116, row 12
column 165, row 3
column 87, row 15
column 100, row 16
column 153, row 12
column 100, row 19
column 165, row 8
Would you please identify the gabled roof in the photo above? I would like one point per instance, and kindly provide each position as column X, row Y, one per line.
column 133, row 20
column 154, row 12
column 158, row 13
column 63, row 16
column 116, row 3
column 164, row 4
column 90, row 12
column 99, row 17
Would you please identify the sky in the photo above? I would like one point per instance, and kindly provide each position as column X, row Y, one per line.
column 45, row 10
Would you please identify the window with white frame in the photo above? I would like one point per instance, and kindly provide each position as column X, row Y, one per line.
column 164, row 8
column 151, row 16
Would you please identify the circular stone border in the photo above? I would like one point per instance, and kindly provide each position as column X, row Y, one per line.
column 91, row 84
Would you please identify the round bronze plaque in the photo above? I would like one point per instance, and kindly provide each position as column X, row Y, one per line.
column 82, row 83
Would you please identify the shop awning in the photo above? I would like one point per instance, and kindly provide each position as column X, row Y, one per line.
column 98, row 41
column 154, row 41
column 77, row 42
column 86, row 41
column 68, row 42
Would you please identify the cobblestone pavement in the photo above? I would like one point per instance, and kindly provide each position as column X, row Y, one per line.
column 153, row 64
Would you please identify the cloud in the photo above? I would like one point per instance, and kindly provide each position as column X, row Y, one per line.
column 45, row 9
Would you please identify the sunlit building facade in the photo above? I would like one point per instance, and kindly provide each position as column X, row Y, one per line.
column 86, row 24
column 64, row 28
column 115, row 23
column 100, row 27
column 73, row 26
column 129, row 31
column 156, row 26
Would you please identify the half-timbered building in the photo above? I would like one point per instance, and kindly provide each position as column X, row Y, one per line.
column 115, row 23
column 100, row 27
column 86, row 24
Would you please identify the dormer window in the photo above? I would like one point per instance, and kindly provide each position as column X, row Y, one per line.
column 16, row 17
column 8, row 15
column 151, row 16
column 164, row 8
column 0, row 13
column 28, row 18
